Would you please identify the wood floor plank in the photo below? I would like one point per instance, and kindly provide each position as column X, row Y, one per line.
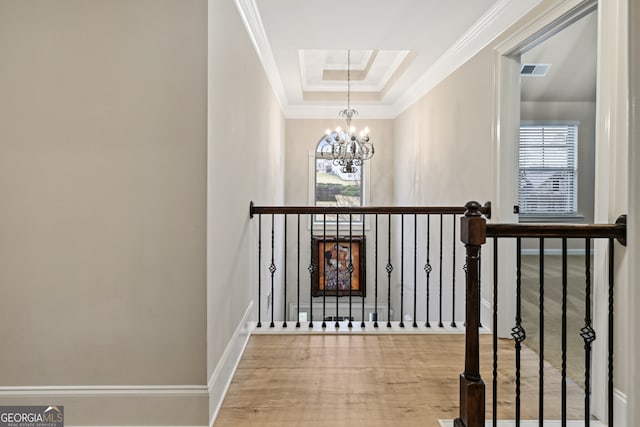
column 375, row 380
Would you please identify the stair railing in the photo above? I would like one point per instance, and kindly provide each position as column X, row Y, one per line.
column 474, row 234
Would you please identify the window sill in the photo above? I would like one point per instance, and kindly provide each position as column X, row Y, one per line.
column 550, row 218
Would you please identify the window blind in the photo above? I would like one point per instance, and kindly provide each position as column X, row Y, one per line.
column 548, row 169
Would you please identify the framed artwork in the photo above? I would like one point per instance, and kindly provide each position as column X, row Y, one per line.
column 332, row 258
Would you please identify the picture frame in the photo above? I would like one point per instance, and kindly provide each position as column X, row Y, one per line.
column 331, row 257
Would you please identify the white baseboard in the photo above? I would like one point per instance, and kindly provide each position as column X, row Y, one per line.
column 136, row 404
column 555, row 252
column 527, row 423
column 619, row 408
column 223, row 374
column 106, row 390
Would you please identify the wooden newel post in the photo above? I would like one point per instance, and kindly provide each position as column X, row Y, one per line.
column 472, row 403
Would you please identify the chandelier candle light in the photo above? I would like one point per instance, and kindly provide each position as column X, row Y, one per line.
column 349, row 149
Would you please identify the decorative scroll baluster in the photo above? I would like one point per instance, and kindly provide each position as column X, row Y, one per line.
column 389, row 269
column 440, row 324
column 322, row 256
column 610, row 337
column 272, row 266
column 375, row 320
column 453, row 279
column 337, row 323
column 495, row 332
column 517, row 332
column 259, row 325
column 415, row 270
column 350, row 267
column 564, row 333
column 298, row 274
column 587, row 333
column 428, row 269
column 284, row 323
column 541, row 333
column 401, row 271
column 312, row 268
column 364, row 247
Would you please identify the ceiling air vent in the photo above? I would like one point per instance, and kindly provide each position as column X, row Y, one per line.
column 537, row 70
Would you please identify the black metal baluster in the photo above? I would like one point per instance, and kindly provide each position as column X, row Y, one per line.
column 428, row 268
column 323, row 257
column 440, row 293
column 389, row 269
column 272, row 266
column 375, row 320
column 298, row 274
column 350, row 266
column 564, row 332
column 284, row 265
column 517, row 332
column 541, row 334
column 363, row 279
column 495, row 332
column 453, row 283
column 259, row 325
column 610, row 337
column 402, row 271
column 312, row 268
column 587, row 333
column 337, row 323
column 415, row 270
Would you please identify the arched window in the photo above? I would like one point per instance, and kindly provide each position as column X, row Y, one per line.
column 333, row 187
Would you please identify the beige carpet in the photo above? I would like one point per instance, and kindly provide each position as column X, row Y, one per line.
column 553, row 310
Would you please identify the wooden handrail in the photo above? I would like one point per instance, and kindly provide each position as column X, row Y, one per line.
column 336, row 210
column 597, row 231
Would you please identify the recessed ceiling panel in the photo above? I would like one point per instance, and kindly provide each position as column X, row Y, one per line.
column 326, row 70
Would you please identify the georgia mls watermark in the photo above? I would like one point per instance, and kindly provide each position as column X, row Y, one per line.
column 31, row 416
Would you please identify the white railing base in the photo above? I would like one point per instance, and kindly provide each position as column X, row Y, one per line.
column 357, row 330
column 529, row 423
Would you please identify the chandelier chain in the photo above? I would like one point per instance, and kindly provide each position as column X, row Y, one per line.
column 349, row 79
column 346, row 148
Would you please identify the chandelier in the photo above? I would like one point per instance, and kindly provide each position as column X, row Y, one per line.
column 349, row 149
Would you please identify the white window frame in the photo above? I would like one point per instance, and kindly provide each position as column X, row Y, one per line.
column 552, row 216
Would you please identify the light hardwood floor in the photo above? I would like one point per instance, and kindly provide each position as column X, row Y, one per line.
column 376, row 380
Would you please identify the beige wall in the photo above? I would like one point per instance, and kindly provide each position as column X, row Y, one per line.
column 103, row 187
column 444, row 158
column 443, row 142
column 245, row 162
column 633, row 236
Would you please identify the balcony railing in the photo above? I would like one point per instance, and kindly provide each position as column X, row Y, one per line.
column 399, row 264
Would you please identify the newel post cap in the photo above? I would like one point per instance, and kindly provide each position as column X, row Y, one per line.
column 473, row 225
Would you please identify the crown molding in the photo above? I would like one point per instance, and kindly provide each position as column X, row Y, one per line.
column 250, row 15
column 494, row 22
